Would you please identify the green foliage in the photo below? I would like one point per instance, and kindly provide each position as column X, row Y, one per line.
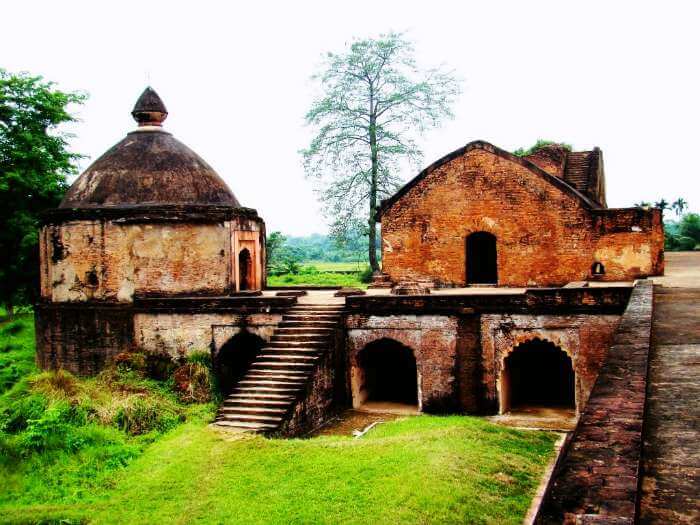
column 61, row 435
column 541, row 143
column 683, row 235
column 34, row 163
column 275, row 241
column 374, row 104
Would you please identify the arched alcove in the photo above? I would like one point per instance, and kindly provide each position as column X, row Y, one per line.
column 537, row 374
column 235, row 357
column 481, row 258
column 386, row 374
column 245, row 270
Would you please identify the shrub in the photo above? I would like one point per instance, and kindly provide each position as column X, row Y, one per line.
column 13, row 328
column 366, row 275
column 160, row 365
column 192, row 383
column 141, row 414
column 55, row 384
column 130, row 361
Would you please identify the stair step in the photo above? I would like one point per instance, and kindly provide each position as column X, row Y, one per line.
column 277, row 375
column 268, row 389
column 229, row 410
column 245, row 425
column 277, row 364
column 307, row 324
column 295, row 351
column 292, row 338
column 304, row 331
column 295, row 344
column 289, row 358
column 259, row 395
column 251, row 417
column 287, row 383
column 314, row 317
column 257, row 402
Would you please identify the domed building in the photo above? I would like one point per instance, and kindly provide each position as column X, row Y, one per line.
column 148, row 222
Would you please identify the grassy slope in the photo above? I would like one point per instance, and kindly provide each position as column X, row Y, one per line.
column 425, row 469
column 316, row 279
column 419, row 470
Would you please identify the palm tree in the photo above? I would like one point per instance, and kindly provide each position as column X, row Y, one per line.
column 662, row 204
column 679, row 206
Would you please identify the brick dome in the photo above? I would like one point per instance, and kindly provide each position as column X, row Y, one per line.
column 149, row 167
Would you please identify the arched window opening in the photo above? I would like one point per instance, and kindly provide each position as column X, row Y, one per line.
column 597, row 269
column 235, row 357
column 537, row 374
column 482, row 260
column 245, row 270
column 387, row 375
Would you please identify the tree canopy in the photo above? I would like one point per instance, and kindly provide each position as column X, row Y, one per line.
column 374, row 104
column 541, row 143
column 34, row 164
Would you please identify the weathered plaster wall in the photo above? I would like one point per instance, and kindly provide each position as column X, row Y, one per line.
column 93, row 260
column 104, row 260
column 584, row 338
column 545, row 234
column 178, row 334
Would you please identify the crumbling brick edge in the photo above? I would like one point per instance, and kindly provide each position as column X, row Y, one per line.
column 596, row 479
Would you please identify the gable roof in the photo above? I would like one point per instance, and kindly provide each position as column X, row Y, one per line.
column 564, row 186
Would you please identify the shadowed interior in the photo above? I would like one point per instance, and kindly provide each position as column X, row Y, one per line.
column 390, row 374
column 537, row 374
column 235, row 357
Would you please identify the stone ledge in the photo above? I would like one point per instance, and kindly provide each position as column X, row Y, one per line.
column 597, row 479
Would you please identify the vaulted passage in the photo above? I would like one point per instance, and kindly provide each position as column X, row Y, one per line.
column 537, row 374
column 481, row 259
column 387, row 374
column 235, row 357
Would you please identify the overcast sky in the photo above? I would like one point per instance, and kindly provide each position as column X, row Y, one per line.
column 624, row 76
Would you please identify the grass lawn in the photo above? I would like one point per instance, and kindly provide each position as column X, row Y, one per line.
column 326, row 266
column 316, row 279
column 66, row 457
column 419, row 470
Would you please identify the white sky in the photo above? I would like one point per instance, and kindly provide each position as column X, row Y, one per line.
column 623, row 76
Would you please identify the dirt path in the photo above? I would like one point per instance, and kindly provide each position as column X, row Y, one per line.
column 671, row 454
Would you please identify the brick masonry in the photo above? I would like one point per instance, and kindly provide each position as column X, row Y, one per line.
column 547, row 234
column 597, row 478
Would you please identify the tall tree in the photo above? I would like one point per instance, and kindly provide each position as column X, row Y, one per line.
column 679, row 206
column 34, row 164
column 375, row 102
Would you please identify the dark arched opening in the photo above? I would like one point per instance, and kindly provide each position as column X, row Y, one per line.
column 482, row 261
column 537, row 374
column 245, row 266
column 235, row 357
column 388, row 374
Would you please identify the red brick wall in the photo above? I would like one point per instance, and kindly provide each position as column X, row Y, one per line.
column 545, row 234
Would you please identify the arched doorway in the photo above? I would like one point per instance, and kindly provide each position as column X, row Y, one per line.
column 245, row 270
column 235, row 357
column 482, row 261
column 537, row 374
column 386, row 376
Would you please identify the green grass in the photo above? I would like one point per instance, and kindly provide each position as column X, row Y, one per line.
column 317, row 279
column 67, row 455
column 326, row 266
column 420, row 470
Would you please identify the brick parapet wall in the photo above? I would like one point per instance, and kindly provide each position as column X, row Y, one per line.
column 597, row 478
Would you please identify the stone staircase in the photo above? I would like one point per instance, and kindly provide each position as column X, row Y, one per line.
column 261, row 400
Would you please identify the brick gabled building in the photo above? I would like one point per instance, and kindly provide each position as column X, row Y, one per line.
column 481, row 215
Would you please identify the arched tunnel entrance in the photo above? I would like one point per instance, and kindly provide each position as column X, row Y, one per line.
column 235, row 357
column 386, row 377
column 537, row 375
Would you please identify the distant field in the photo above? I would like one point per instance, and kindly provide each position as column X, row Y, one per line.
column 325, row 266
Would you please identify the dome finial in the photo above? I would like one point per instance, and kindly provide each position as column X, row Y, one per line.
column 149, row 109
